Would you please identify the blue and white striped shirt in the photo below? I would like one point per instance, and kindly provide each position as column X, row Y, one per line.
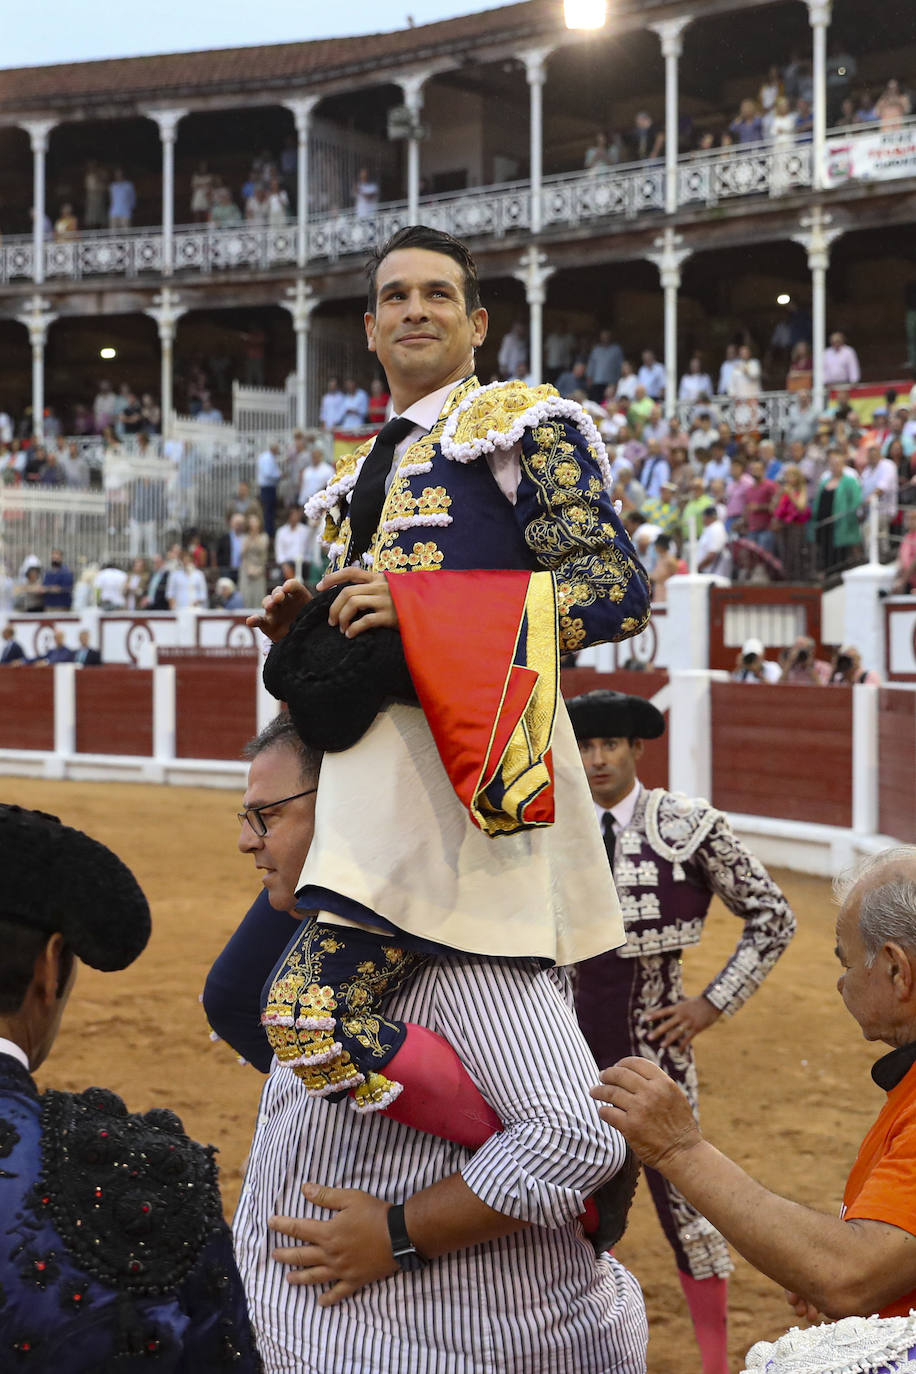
column 536, row 1302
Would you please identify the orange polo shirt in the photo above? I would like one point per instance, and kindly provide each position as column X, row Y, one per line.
column 882, row 1184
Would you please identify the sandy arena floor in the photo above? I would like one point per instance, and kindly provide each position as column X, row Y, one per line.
column 785, row 1086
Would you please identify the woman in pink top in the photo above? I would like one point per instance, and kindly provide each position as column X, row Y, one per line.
column 791, row 515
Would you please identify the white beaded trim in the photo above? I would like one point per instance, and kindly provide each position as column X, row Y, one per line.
column 414, row 469
column 323, row 501
column 352, row 1082
column 407, row 522
column 393, row 1093
column 854, row 1345
column 553, row 407
column 677, row 857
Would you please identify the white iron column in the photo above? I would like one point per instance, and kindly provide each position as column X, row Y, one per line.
column 38, row 131
column 166, row 311
column 536, row 72
column 816, row 241
column 37, row 321
column 669, row 31
column 300, row 302
column 534, row 272
column 412, row 86
column 168, row 121
column 302, row 110
column 819, row 19
column 668, row 261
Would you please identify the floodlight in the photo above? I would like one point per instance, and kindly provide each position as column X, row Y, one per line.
column 108, row 353
column 784, row 299
column 585, row 14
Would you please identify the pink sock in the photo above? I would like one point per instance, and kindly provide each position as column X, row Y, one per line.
column 439, row 1096
column 707, row 1300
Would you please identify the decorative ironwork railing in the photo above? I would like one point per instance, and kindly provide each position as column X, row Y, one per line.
column 570, row 199
column 771, row 412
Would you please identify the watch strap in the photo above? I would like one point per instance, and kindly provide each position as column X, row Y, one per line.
column 402, row 1247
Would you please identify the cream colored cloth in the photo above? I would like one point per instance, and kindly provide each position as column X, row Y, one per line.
column 391, row 833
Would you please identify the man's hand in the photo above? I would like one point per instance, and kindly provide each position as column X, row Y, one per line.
column 648, row 1109
column 366, row 605
column 281, row 606
column 803, row 1308
column 347, row 1252
column 678, row 1024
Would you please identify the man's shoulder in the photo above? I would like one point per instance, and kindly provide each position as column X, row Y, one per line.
column 155, row 1199
column 496, row 416
column 676, row 824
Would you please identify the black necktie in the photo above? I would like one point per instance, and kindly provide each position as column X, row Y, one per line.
column 610, row 839
column 368, row 496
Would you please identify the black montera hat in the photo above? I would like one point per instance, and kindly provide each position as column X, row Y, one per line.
column 334, row 686
column 58, row 879
column 614, row 715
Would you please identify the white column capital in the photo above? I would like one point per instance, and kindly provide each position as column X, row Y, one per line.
column 819, row 13
column 38, row 131
column 168, row 121
column 166, row 310
column 37, row 319
column 300, row 300
column 534, row 271
column 301, row 109
column 817, row 238
column 669, row 259
column 535, row 61
column 412, row 83
column 669, row 31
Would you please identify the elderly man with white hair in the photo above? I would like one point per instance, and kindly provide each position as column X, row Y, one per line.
column 864, row 1260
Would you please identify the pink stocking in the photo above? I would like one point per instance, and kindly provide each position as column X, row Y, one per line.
column 707, row 1300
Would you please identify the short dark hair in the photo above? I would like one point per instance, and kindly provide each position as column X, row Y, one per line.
column 434, row 241
column 21, row 945
column 281, row 733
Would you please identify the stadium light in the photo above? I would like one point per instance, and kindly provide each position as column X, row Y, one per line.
column 108, row 353
column 784, row 299
column 585, row 14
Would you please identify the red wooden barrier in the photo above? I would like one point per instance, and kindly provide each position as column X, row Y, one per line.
column 783, row 751
column 215, row 708
column 653, row 766
column 809, row 598
column 26, row 708
column 114, row 711
column 897, row 764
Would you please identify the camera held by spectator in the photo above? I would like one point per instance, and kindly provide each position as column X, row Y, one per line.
column 751, row 666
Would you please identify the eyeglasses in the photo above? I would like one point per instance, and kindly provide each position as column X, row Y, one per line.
column 252, row 814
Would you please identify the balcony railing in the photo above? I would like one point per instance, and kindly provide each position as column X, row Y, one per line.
column 490, row 212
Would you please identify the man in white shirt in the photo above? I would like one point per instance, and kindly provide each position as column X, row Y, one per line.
column 559, row 351
column 354, row 406
column 651, row 375
column 841, row 362
column 269, row 474
column 725, row 371
column 513, row 351
column 712, row 546
column 331, row 411
column 186, row 586
column 365, row 195
column 744, row 379
column 111, row 588
column 753, row 667
column 292, row 540
column 695, row 382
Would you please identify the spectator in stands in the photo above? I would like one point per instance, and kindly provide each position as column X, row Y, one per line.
column 771, row 90
column 752, row 666
column 155, row 597
column 802, row 667
column 560, row 350
column 839, row 496
column 29, row 593
column 598, row 156
column 209, row 413
column 253, row 570
column 804, row 120
column 772, row 465
column 841, row 363
column 229, row 547
column 667, row 565
column 892, row 105
column 74, row 465
column 628, row 383
column 244, row 503
column 58, row 584
column 187, row 586
column 66, row 226
column 122, row 201
column 203, row 186
column 277, row 204
column 744, row 377
column 880, row 480
column 643, row 139
column 718, row 465
column 227, row 596
column 51, row 474
column 354, row 406
column 257, row 207
column 365, row 195
column 697, row 502
column 663, row 510
column 726, row 370
column 269, row 474
column 223, row 210
column 513, row 351
column 605, row 363
column 703, row 439
column 86, row 656
column 95, row 183
column 655, row 430
column 12, row 651
column 760, row 503
column 695, row 383
column 790, row 520
column 656, row 470
column 803, row 420
column 110, row 587
column 379, row 401
column 330, row 411
column 103, row 407
column 291, row 541
column 61, row 653
column 846, row 669
column 713, row 556
column 747, row 126
column 137, row 583
column 651, row 375
column 573, row 380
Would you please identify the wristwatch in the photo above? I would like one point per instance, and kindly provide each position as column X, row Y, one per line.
column 403, row 1248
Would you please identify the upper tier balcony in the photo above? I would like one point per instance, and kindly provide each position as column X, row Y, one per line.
column 569, row 201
